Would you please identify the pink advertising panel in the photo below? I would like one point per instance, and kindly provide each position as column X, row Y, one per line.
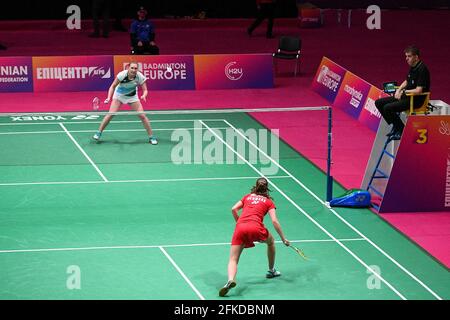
column 233, row 71
column 420, row 177
column 370, row 115
column 352, row 94
column 77, row 73
column 328, row 79
column 16, row 74
column 164, row 72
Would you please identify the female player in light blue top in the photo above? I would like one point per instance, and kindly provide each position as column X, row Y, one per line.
column 124, row 91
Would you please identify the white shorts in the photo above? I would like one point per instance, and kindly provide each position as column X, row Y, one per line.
column 125, row 99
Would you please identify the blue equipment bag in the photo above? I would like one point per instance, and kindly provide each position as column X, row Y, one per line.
column 354, row 198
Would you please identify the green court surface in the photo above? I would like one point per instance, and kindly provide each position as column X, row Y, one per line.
column 135, row 224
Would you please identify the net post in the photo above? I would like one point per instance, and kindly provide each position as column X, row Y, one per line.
column 329, row 177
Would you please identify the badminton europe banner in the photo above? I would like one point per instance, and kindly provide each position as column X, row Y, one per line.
column 420, row 177
column 233, row 71
column 16, row 74
column 72, row 73
column 328, row 79
column 164, row 72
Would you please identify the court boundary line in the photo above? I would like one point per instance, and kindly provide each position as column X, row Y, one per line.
column 96, row 122
column 309, row 217
column 339, row 216
column 95, row 130
column 84, row 153
column 161, row 246
column 182, row 274
column 134, row 181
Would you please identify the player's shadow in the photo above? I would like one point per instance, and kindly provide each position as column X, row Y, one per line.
column 305, row 274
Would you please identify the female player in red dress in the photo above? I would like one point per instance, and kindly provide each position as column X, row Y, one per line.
column 250, row 228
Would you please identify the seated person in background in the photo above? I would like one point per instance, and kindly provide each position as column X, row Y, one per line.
column 142, row 33
column 417, row 81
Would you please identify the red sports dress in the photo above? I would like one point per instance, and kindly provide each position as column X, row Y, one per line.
column 250, row 226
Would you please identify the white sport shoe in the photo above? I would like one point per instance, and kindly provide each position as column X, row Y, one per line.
column 153, row 140
column 273, row 274
column 97, row 136
column 223, row 291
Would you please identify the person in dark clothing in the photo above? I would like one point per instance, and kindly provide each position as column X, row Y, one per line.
column 142, row 33
column 266, row 9
column 100, row 8
column 118, row 13
column 417, row 81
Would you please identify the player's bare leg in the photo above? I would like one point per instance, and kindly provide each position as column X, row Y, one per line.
column 115, row 105
column 270, row 241
column 235, row 254
column 137, row 106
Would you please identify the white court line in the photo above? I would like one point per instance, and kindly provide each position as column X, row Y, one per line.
column 307, row 215
column 160, row 246
column 133, row 181
column 88, row 122
column 84, row 153
column 182, row 274
column 337, row 215
column 108, row 130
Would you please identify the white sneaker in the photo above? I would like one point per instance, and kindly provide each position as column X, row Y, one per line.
column 97, row 136
column 223, row 291
column 153, row 140
column 273, row 274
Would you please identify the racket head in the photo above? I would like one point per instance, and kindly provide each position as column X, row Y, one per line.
column 95, row 103
column 299, row 251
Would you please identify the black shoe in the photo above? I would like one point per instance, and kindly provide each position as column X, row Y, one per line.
column 105, row 35
column 94, row 35
column 2, row 47
column 396, row 136
column 397, row 133
column 392, row 131
column 270, row 36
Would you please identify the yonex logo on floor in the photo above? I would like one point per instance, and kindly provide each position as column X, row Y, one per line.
column 38, row 118
column 53, row 118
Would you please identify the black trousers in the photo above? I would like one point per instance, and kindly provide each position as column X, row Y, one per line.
column 267, row 10
column 101, row 9
column 390, row 108
column 146, row 48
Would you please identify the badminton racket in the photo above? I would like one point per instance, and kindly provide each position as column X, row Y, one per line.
column 95, row 103
column 299, row 251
